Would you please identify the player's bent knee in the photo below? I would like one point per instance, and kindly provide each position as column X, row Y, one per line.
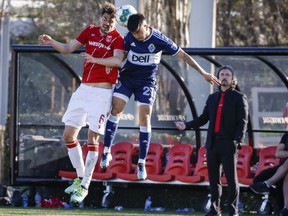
column 68, row 138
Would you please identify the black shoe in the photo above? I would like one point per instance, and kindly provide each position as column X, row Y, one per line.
column 213, row 213
column 283, row 212
column 260, row 188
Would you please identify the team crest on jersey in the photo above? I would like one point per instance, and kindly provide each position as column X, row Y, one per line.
column 108, row 38
column 151, row 48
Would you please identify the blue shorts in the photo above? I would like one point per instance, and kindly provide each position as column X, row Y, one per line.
column 144, row 90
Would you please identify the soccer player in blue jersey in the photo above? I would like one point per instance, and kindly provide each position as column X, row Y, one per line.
column 143, row 46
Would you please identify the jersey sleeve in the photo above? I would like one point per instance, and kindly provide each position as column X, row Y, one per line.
column 170, row 46
column 119, row 43
column 83, row 36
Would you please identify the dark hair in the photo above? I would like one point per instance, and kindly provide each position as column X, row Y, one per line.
column 135, row 21
column 109, row 9
column 234, row 79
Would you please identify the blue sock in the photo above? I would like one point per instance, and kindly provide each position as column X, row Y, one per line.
column 110, row 130
column 144, row 142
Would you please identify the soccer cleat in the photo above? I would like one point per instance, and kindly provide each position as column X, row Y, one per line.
column 79, row 195
column 105, row 160
column 260, row 188
column 141, row 171
column 75, row 185
column 283, row 212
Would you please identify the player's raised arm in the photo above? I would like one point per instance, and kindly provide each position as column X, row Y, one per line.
column 189, row 60
column 60, row 47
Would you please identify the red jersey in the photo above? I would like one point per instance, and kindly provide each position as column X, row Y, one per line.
column 100, row 46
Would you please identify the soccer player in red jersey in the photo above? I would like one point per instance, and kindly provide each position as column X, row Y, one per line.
column 138, row 76
column 91, row 102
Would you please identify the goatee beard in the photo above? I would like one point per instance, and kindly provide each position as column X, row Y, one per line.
column 224, row 83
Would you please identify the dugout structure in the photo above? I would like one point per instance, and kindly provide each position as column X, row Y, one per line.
column 42, row 82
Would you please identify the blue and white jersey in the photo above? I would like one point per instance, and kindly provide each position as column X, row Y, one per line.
column 143, row 57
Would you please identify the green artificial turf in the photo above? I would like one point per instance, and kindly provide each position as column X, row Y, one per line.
column 88, row 211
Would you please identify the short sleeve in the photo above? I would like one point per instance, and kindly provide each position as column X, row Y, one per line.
column 83, row 36
column 119, row 43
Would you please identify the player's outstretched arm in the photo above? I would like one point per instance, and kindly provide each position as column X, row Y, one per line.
column 189, row 60
column 60, row 47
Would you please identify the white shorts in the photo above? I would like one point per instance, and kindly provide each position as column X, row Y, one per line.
column 89, row 105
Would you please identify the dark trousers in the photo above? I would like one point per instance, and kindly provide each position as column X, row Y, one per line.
column 223, row 154
column 277, row 193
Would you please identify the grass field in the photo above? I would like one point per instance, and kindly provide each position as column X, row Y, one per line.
column 88, row 211
column 82, row 212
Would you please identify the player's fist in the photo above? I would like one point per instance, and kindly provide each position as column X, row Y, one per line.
column 44, row 39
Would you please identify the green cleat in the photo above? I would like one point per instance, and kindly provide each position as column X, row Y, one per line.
column 79, row 195
column 72, row 188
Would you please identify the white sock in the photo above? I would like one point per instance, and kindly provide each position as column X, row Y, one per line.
column 106, row 150
column 76, row 158
column 90, row 163
column 142, row 161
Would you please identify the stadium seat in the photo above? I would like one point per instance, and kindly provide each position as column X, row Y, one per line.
column 121, row 161
column 73, row 174
column 178, row 163
column 201, row 172
column 153, row 163
column 201, row 166
column 154, row 159
column 267, row 159
column 243, row 166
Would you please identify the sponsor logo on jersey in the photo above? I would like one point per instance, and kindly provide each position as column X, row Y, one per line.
column 133, row 44
column 99, row 45
column 140, row 58
column 144, row 58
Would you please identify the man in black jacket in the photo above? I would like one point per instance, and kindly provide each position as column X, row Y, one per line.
column 227, row 113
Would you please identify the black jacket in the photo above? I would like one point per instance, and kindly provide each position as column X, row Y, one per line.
column 234, row 117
